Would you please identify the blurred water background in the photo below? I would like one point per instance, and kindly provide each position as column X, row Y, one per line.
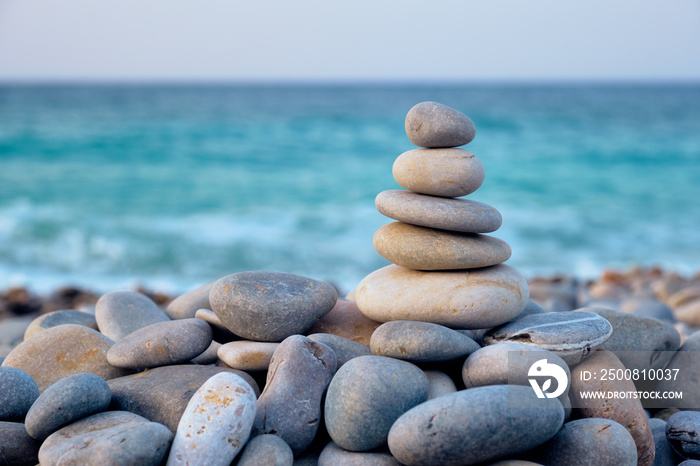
column 174, row 186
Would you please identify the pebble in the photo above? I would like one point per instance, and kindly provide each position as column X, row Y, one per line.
column 435, row 432
column 333, row 455
column 471, row 299
column 247, row 355
column 462, row 215
column 216, row 423
column 430, row 124
column 161, row 344
column 343, row 348
column 439, row 172
column 683, row 433
column 58, row 352
column 299, row 365
column 162, row 394
column 687, row 362
column 209, row 356
column 66, row 401
column 530, row 308
column 367, row 395
column 16, row 446
column 421, row 248
column 648, row 308
column 420, row 342
column 270, row 306
column 219, row 330
column 591, row 441
column 626, row 411
column 18, row 392
column 570, row 335
column 690, row 463
column 663, row 452
column 114, row 438
column 121, row 312
column 55, row 318
column 346, row 320
column 266, row 450
column 186, row 305
column 440, row 384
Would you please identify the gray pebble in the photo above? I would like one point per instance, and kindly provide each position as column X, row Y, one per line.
column 333, row 455
column 55, row 318
column 121, row 312
column 657, row 425
column 266, row 450
column 17, row 393
column 367, row 395
column 648, row 308
column 530, row 309
column 690, row 463
column 270, row 306
column 343, row 348
column 440, row 384
column 683, row 433
column 66, row 401
column 663, row 453
column 16, row 446
column 186, row 305
column 219, row 330
column 209, row 356
column 686, row 365
column 430, row 124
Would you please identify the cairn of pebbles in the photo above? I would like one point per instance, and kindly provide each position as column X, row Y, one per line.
column 428, row 367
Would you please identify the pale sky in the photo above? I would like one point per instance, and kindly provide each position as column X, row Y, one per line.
column 334, row 40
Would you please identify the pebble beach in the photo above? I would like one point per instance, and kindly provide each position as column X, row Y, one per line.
column 447, row 356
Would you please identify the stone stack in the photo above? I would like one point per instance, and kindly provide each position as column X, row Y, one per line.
column 447, row 271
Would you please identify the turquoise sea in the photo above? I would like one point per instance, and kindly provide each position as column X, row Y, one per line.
column 173, row 186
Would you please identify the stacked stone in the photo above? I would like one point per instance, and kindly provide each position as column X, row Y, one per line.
column 447, row 271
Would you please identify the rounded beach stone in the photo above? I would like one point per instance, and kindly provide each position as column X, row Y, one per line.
column 346, row 320
column 570, row 335
column 421, row 248
column 162, row 394
column 462, row 215
column 683, row 433
column 270, row 306
column 115, row 438
column 663, row 452
column 440, row 384
column 343, row 348
column 186, row 305
column 219, row 330
column 686, row 365
column 299, row 366
column 266, row 450
column 121, row 312
column 648, row 308
column 60, row 351
column 333, row 455
column 209, row 356
column 161, row 344
column 503, row 420
column 430, row 124
column 55, row 318
column 247, row 355
column 216, row 423
column 18, row 392
column 420, row 342
column 16, row 446
column 589, row 441
column 626, row 411
column 66, row 401
column 471, row 299
column 367, row 395
column 439, row 172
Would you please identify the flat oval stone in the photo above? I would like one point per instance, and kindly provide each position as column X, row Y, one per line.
column 161, row 344
column 367, row 395
column 266, row 450
column 346, row 320
column 440, row 384
column 16, row 446
column 161, row 394
column 60, row 351
column 430, row 124
column 462, row 215
column 420, row 342
column 439, row 172
column 333, row 455
column 216, row 423
column 55, row 318
column 589, row 441
column 299, row 366
column 435, row 432
column 247, row 355
column 66, row 401
column 570, row 335
column 686, row 365
column 115, row 438
column 270, row 306
column 421, row 248
column 471, row 299
column 18, row 392
column 343, row 348
column 186, row 305
column 121, row 312
column 219, row 330
column 683, row 433
column 626, row 411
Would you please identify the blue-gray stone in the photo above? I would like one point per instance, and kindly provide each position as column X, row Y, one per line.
column 52, row 319
column 121, row 312
column 17, row 393
column 266, row 450
column 333, row 455
column 16, row 446
column 343, row 348
column 683, row 433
